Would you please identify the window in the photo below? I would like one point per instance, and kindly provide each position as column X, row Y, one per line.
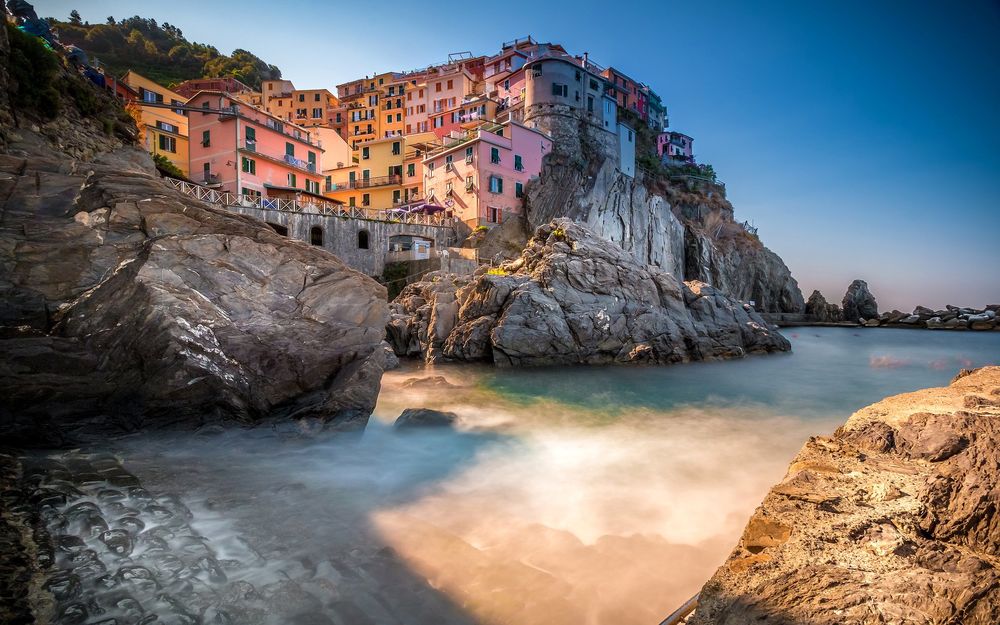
column 496, row 184
column 450, row 84
column 312, row 186
column 351, row 201
column 302, row 97
column 518, row 189
column 168, row 144
column 366, row 199
column 206, row 169
column 289, row 149
column 577, row 75
column 560, row 90
column 205, row 106
column 593, row 84
column 249, row 165
column 206, row 138
column 494, row 155
column 590, row 104
column 518, row 165
column 493, row 214
column 396, row 196
column 437, row 86
column 411, row 170
column 468, row 154
column 316, row 236
column 291, row 180
column 399, row 117
column 251, row 142
column 506, row 85
column 388, row 119
column 316, row 97
column 395, row 148
column 251, row 193
column 430, row 169
column 448, row 162
column 365, row 153
column 165, row 126
column 469, row 183
column 363, row 240
column 317, row 113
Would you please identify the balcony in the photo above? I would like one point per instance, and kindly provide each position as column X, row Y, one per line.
column 301, row 164
column 365, row 183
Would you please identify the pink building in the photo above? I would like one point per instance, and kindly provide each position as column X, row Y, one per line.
column 675, row 146
column 481, row 178
column 241, row 149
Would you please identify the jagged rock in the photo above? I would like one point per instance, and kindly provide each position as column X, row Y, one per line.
column 424, row 417
column 859, row 303
column 894, row 519
column 128, row 305
column 574, row 298
column 819, row 310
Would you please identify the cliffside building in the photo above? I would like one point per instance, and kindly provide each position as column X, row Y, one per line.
column 162, row 130
column 480, row 175
column 242, row 149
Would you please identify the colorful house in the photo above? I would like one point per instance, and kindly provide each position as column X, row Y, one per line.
column 676, row 146
column 480, row 177
column 162, row 130
column 383, row 173
column 242, row 149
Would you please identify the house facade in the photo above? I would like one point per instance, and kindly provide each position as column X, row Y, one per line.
column 162, row 130
column 675, row 146
column 242, row 149
column 481, row 177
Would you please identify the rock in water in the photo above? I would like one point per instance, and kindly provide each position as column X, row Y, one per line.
column 819, row 310
column 574, row 298
column 859, row 303
column 894, row 519
column 424, row 417
column 128, row 305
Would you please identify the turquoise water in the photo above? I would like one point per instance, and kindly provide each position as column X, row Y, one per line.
column 830, row 371
column 572, row 495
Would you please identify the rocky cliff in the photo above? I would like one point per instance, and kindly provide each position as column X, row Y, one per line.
column 859, row 303
column 126, row 305
column 686, row 230
column 893, row 519
column 573, row 298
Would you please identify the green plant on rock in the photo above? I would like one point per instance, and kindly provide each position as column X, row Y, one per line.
column 559, row 233
column 33, row 69
column 480, row 229
column 164, row 165
column 497, row 271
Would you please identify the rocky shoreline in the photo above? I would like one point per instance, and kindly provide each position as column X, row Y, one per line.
column 893, row 519
column 573, row 297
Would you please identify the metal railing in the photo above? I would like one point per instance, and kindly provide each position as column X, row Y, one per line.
column 365, row 183
column 320, row 207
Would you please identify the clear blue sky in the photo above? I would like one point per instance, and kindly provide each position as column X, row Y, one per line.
column 863, row 138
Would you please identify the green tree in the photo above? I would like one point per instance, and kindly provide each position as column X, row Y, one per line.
column 74, row 18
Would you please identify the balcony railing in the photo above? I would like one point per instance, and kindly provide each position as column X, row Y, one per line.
column 366, row 183
column 301, row 164
column 317, row 206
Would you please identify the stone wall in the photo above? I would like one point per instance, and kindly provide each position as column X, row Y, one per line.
column 340, row 235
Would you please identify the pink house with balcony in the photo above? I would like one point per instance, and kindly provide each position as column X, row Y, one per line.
column 480, row 177
column 241, row 149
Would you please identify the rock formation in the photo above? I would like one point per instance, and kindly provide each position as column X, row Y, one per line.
column 573, row 298
column 893, row 519
column 672, row 228
column 949, row 318
column 859, row 303
column 820, row 311
column 128, row 305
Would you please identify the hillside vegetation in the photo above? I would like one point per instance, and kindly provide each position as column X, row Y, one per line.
column 159, row 51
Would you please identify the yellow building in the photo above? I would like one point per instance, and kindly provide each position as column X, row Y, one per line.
column 304, row 107
column 372, row 108
column 383, row 173
column 162, row 130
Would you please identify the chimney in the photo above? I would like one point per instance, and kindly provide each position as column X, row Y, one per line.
column 586, row 59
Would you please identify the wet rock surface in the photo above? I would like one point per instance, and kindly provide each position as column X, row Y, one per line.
column 126, row 305
column 424, row 417
column 893, row 519
column 573, row 298
column 84, row 542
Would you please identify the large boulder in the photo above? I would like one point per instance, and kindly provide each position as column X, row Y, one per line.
column 893, row 519
column 574, row 298
column 127, row 305
column 819, row 310
column 859, row 303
